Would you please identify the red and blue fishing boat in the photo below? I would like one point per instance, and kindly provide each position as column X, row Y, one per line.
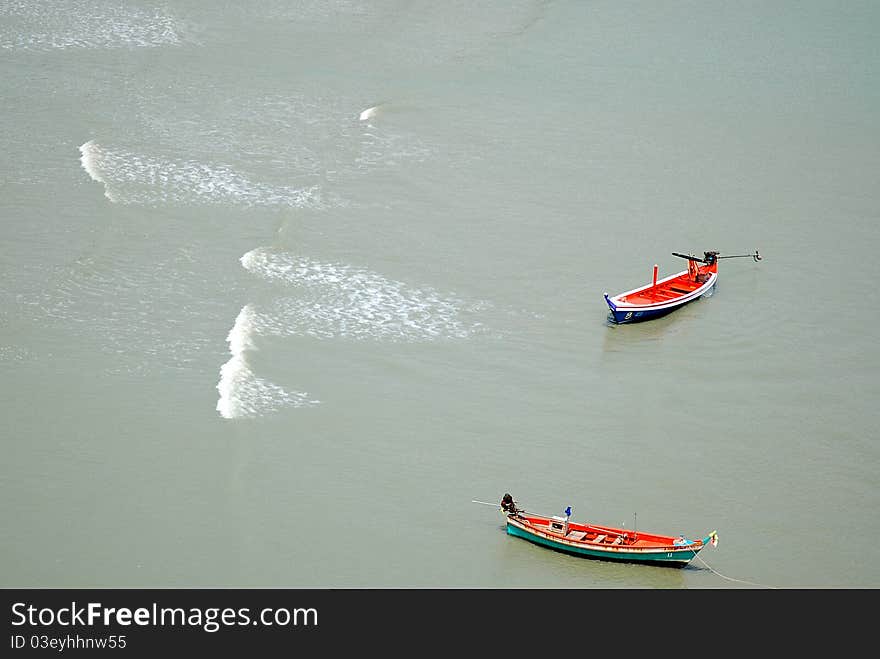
column 663, row 296
column 602, row 542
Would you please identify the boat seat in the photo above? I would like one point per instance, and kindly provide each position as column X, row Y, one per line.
column 599, row 538
column 576, row 535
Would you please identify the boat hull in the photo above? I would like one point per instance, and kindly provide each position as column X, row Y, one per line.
column 636, row 315
column 642, row 304
column 667, row 556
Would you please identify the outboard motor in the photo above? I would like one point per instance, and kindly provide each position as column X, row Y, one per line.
column 508, row 505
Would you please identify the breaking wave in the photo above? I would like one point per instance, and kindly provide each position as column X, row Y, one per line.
column 242, row 393
column 338, row 300
column 132, row 179
column 333, row 300
column 369, row 113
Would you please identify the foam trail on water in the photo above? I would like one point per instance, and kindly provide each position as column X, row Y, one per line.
column 13, row 354
column 338, row 300
column 129, row 178
column 85, row 24
column 242, row 393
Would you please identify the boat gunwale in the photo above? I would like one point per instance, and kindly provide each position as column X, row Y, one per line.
column 616, row 304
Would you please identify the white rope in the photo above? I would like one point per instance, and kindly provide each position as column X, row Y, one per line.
column 730, row 578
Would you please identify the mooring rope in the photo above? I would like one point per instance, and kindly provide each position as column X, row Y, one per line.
column 711, row 569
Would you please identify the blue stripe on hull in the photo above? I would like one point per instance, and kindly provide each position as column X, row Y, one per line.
column 634, row 316
column 661, row 558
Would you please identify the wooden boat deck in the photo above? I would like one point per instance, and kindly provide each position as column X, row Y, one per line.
column 593, row 537
column 602, row 536
column 664, row 292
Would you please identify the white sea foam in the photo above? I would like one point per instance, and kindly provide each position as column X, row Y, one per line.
column 242, row 393
column 369, row 113
column 130, row 178
column 302, row 141
column 335, row 300
column 338, row 300
column 65, row 24
column 324, row 137
column 14, row 354
column 90, row 154
column 240, row 336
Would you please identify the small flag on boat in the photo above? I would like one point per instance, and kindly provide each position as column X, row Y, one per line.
column 568, row 512
column 714, row 539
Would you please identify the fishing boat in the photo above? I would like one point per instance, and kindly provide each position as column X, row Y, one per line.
column 602, row 542
column 663, row 296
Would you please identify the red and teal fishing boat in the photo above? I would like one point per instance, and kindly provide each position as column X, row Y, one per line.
column 660, row 297
column 602, row 542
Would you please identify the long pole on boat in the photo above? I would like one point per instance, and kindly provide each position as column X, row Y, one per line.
column 755, row 256
column 486, row 503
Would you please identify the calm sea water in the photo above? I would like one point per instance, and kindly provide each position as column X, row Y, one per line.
column 288, row 285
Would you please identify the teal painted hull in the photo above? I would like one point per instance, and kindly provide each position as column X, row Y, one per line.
column 675, row 558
